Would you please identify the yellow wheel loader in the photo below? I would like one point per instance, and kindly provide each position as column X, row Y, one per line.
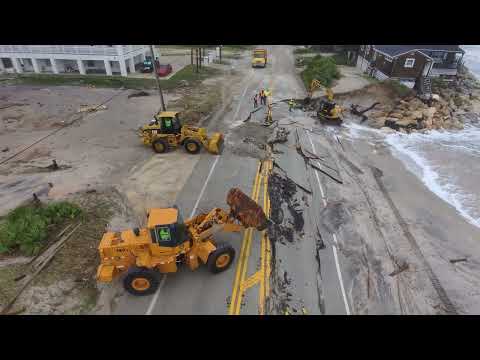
column 166, row 132
column 167, row 242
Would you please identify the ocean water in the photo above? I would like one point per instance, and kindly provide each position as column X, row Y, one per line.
column 472, row 58
column 447, row 162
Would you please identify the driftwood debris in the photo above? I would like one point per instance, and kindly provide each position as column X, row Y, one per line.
column 355, row 111
column 37, row 265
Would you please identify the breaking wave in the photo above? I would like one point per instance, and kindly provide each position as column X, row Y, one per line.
column 447, row 163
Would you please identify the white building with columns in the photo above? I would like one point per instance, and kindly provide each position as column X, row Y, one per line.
column 83, row 59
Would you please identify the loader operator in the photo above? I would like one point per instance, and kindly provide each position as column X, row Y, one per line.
column 169, row 125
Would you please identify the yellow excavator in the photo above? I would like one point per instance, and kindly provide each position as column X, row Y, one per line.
column 166, row 131
column 328, row 112
column 168, row 242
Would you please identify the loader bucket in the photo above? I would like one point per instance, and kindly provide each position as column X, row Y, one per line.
column 215, row 143
column 245, row 210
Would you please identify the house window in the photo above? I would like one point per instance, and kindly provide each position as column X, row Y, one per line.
column 409, row 62
column 90, row 63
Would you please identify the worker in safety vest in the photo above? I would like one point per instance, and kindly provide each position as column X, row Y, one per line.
column 291, row 104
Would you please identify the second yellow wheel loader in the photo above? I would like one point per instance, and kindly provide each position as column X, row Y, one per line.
column 166, row 132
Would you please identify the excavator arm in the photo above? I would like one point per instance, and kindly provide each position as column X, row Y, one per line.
column 314, row 85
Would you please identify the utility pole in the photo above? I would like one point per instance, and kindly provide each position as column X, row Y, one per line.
column 196, row 60
column 158, row 79
column 220, row 54
column 191, row 56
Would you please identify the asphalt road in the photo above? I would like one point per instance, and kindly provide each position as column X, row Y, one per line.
column 246, row 285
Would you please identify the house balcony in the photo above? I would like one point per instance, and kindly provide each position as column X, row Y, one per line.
column 102, row 50
column 445, row 69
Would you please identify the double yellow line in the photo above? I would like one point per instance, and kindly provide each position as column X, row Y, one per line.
column 241, row 284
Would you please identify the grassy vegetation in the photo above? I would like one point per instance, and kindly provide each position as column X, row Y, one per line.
column 341, row 59
column 400, row 89
column 102, row 81
column 321, row 68
column 26, row 228
column 300, row 51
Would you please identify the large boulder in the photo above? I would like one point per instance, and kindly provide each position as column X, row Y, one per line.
column 407, row 123
column 429, row 112
column 417, row 115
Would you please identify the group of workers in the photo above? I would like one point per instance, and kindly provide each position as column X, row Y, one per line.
column 262, row 96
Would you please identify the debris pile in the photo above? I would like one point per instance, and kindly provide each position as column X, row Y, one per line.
column 139, row 93
column 279, row 135
column 91, row 108
column 282, row 191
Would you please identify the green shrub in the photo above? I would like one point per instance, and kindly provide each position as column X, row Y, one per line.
column 26, row 228
column 302, row 51
column 340, row 59
column 321, row 68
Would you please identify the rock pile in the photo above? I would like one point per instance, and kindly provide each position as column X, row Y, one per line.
column 449, row 108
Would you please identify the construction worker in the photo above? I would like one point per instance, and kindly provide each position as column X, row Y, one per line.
column 269, row 119
column 255, row 101
column 262, row 97
column 291, row 104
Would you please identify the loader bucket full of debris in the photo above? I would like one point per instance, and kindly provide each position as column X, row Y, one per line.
column 215, row 143
column 245, row 210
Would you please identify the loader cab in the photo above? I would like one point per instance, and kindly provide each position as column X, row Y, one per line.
column 167, row 228
column 169, row 122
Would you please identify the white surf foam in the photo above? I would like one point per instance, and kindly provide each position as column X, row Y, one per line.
column 407, row 148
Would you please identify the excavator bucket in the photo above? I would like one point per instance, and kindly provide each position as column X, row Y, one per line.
column 245, row 210
column 215, row 143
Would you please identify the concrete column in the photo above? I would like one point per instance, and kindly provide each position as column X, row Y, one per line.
column 119, row 50
column 35, row 65
column 81, row 68
column 54, row 65
column 131, row 64
column 123, row 67
column 108, row 68
column 16, row 65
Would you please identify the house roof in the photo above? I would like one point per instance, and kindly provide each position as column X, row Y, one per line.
column 395, row 50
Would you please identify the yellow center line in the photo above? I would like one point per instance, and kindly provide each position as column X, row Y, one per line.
column 247, row 253
column 243, row 254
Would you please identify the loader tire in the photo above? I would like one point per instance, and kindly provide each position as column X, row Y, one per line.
column 141, row 281
column 221, row 258
column 192, row 146
column 160, row 146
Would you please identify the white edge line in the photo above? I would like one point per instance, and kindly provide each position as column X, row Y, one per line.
column 157, row 293
column 241, row 100
column 337, row 264
column 155, row 297
column 334, row 248
column 205, row 185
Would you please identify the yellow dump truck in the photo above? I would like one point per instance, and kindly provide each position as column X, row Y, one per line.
column 259, row 58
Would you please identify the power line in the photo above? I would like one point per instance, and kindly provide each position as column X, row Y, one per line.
column 57, row 130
